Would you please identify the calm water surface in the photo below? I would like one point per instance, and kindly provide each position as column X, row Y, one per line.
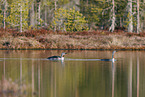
column 75, row 78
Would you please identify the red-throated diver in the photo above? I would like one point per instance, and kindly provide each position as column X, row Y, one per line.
column 110, row 59
column 57, row 57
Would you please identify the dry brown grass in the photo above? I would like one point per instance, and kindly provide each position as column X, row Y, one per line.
column 43, row 39
column 92, row 42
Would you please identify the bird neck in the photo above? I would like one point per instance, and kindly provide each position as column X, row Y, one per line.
column 113, row 59
column 62, row 58
column 112, row 55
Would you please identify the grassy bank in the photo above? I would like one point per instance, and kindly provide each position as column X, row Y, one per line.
column 43, row 39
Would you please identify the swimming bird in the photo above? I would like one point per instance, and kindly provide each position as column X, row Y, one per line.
column 110, row 59
column 57, row 57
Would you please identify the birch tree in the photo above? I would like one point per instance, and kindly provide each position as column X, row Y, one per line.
column 138, row 17
column 21, row 16
column 46, row 11
column 39, row 13
column 55, row 8
column 45, row 7
column 32, row 15
column 99, row 14
column 5, row 9
column 18, row 17
column 112, row 27
column 130, row 25
column 1, row 14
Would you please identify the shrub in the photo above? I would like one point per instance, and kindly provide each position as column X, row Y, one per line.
column 69, row 20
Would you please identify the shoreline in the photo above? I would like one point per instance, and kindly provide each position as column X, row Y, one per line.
column 47, row 40
column 134, row 49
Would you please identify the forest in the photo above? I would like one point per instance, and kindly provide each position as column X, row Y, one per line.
column 73, row 15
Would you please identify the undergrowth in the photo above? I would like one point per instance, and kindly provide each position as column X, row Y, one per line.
column 47, row 39
column 34, row 33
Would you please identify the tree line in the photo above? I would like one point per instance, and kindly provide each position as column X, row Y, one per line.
column 73, row 15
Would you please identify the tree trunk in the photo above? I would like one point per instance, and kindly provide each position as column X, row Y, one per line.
column 138, row 21
column 5, row 8
column 120, row 22
column 112, row 27
column 21, row 17
column 138, row 76
column 45, row 15
column 143, row 25
column 130, row 79
column 130, row 26
column 77, row 2
column 32, row 15
column 39, row 12
column 55, row 5
column 55, row 10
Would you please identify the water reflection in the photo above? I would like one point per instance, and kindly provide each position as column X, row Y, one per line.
column 130, row 79
column 113, row 78
column 137, row 76
column 90, row 78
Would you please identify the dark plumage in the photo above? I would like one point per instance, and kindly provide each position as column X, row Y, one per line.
column 106, row 59
column 57, row 57
column 110, row 59
column 54, row 57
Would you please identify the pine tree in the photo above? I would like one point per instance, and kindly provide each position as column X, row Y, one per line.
column 69, row 20
column 18, row 17
column 1, row 14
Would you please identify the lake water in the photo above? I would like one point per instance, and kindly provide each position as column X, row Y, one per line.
column 75, row 78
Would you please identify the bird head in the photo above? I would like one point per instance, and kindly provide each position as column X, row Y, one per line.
column 62, row 54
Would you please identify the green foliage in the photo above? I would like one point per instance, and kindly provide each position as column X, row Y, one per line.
column 14, row 18
column 62, row 2
column 1, row 17
column 69, row 20
column 40, row 22
column 91, row 14
column 92, row 10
